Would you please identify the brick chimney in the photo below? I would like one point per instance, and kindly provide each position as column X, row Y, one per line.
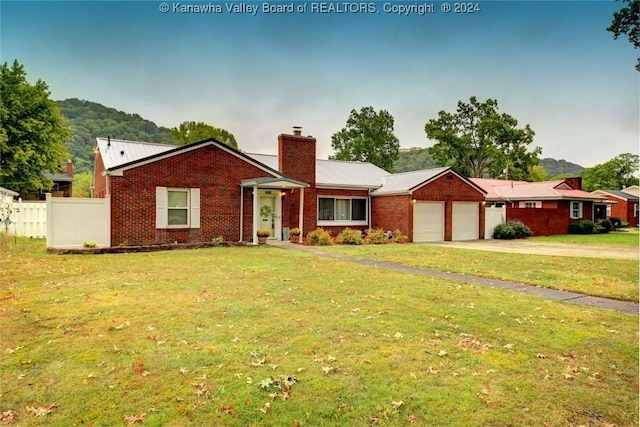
column 574, row 182
column 69, row 169
column 297, row 156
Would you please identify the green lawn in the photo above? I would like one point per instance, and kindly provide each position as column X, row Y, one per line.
column 628, row 237
column 611, row 278
column 267, row 337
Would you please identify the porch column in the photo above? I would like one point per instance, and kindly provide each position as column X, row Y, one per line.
column 301, row 215
column 256, row 212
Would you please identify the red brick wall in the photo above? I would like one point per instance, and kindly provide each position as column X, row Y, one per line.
column 215, row 172
column 548, row 221
column 393, row 212
column 99, row 180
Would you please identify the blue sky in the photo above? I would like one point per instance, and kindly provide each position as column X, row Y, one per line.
column 550, row 64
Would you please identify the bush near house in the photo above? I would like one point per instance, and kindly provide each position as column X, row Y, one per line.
column 349, row 236
column 319, row 237
column 582, row 227
column 376, row 237
column 398, row 237
column 511, row 230
column 617, row 222
column 604, row 226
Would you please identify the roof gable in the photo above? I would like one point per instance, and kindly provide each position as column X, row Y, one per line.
column 142, row 153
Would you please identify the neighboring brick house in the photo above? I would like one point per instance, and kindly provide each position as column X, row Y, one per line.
column 623, row 205
column 162, row 193
column 547, row 207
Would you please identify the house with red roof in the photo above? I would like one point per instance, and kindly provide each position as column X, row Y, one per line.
column 162, row 194
column 547, row 207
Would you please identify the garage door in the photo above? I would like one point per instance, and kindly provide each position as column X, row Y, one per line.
column 466, row 220
column 428, row 222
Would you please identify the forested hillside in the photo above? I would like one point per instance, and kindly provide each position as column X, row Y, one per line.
column 89, row 120
column 555, row 167
column 414, row 159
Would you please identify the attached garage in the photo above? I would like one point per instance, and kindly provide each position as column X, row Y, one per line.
column 434, row 205
column 428, row 221
column 465, row 221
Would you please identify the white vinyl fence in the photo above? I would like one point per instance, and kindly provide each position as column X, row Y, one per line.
column 29, row 219
column 72, row 221
column 493, row 217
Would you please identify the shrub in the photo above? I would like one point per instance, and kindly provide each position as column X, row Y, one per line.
column 511, row 230
column 398, row 237
column 89, row 245
column 615, row 221
column 349, row 236
column 217, row 240
column 582, row 227
column 319, row 237
column 377, row 237
column 605, row 225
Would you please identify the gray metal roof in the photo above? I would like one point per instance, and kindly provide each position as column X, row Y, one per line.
column 336, row 173
column 620, row 194
column 406, row 181
column 117, row 152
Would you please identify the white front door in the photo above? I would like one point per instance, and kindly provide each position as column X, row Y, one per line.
column 269, row 217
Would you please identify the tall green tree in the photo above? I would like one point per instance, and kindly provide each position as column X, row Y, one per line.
column 367, row 137
column 478, row 141
column 627, row 21
column 615, row 174
column 32, row 131
column 189, row 132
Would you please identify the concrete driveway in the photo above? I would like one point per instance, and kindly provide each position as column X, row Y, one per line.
column 539, row 248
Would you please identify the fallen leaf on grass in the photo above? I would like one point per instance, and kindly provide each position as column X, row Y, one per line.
column 41, row 411
column 8, row 417
column 230, row 410
column 265, row 408
column 132, row 419
column 397, row 405
column 412, row 419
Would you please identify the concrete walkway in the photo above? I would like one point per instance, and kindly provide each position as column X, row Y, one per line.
column 550, row 294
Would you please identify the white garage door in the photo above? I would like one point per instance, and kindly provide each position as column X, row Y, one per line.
column 466, row 220
column 428, row 222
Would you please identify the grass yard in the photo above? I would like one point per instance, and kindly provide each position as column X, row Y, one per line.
column 611, row 278
column 260, row 336
column 629, row 237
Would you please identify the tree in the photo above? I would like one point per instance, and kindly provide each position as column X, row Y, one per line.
column 615, row 174
column 627, row 21
column 82, row 183
column 368, row 137
column 189, row 132
column 477, row 141
column 32, row 132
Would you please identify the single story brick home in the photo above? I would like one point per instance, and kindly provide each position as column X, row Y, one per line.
column 623, row 205
column 162, row 193
column 547, row 207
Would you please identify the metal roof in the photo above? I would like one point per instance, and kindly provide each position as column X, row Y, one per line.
column 406, row 181
column 498, row 189
column 117, row 152
column 618, row 194
column 336, row 173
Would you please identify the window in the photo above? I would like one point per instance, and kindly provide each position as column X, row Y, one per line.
column 537, row 204
column 342, row 209
column 635, row 211
column 177, row 207
column 575, row 210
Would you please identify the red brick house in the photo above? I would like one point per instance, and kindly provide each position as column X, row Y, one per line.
column 547, row 207
column 161, row 193
column 622, row 205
